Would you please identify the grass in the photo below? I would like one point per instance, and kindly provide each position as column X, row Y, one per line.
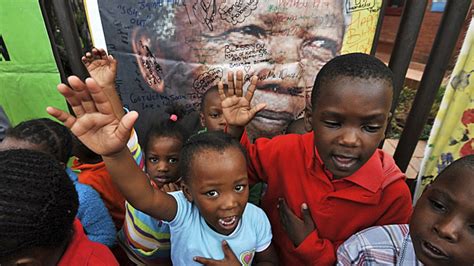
column 407, row 96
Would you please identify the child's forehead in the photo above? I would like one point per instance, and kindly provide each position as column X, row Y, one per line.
column 457, row 184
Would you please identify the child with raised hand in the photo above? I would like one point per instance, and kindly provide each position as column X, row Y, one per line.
column 210, row 114
column 441, row 229
column 213, row 204
column 38, row 206
column 51, row 137
column 146, row 237
column 326, row 185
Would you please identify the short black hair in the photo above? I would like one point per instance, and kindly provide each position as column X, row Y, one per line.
column 463, row 162
column 357, row 65
column 38, row 202
column 53, row 137
column 206, row 94
column 211, row 140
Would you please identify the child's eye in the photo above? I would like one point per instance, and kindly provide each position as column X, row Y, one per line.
column 331, row 124
column 153, row 160
column 471, row 228
column 214, row 115
column 172, row 160
column 371, row 129
column 212, row 194
column 239, row 188
column 437, row 206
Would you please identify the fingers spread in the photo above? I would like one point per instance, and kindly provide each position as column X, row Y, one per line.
column 125, row 126
column 220, row 89
column 82, row 91
column 72, row 98
column 230, row 83
column 257, row 108
column 67, row 119
column 98, row 98
column 252, row 88
column 239, row 83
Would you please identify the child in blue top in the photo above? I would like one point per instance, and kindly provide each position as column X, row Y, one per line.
column 51, row 137
column 213, row 203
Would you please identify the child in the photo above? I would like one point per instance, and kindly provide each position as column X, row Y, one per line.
column 211, row 209
column 38, row 204
column 147, row 238
column 91, row 171
column 51, row 137
column 211, row 115
column 328, row 184
column 441, row 230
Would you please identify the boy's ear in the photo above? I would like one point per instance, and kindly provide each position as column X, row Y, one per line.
column 186, row 191
column 201, row 118
column 308, row 123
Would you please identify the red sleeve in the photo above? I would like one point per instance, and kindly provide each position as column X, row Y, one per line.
column 255, row 164
column 316, row 251
column 397, row 196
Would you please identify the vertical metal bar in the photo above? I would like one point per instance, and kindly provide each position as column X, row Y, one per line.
column 408, row 30
column 445, row 41
column 404, row 46
column 44, row 4
column 379, row 27
column 72, row 42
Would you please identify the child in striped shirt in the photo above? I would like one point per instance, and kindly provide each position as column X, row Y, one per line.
column 441, row 230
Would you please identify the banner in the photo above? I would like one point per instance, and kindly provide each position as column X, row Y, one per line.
column 28, row 72
column 173, row 51
column 453, row 131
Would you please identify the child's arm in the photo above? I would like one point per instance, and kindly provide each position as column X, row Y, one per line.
column 103, row 69
column 99, row 129
column 236, row 109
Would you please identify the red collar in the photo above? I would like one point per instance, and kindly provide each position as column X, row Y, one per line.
column 370, row 176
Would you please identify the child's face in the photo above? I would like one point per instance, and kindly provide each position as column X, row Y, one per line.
column 162, row 156
column 349, row 121
column 211, row 116
column 442, row 224
column 219, row 187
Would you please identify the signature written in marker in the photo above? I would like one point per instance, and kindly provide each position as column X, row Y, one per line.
column 205, row 11
column 237, row 12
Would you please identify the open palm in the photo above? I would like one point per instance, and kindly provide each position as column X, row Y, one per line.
column 101, row 67
column 236, row 108
column 95, row 123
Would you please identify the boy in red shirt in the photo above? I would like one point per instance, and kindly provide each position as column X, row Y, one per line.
column 328, row 184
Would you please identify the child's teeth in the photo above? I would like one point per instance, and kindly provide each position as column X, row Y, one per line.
column 227, row 221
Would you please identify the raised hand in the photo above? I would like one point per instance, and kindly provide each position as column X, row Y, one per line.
column 229, row 258
column 95, row 125
column 237, row 109
column 296, row 229
column 102, row 67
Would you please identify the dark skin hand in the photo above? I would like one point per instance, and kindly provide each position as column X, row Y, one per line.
column 297, row 229
column 229, row 258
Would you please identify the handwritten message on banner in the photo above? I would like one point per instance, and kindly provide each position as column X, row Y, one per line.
column 173, row 51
